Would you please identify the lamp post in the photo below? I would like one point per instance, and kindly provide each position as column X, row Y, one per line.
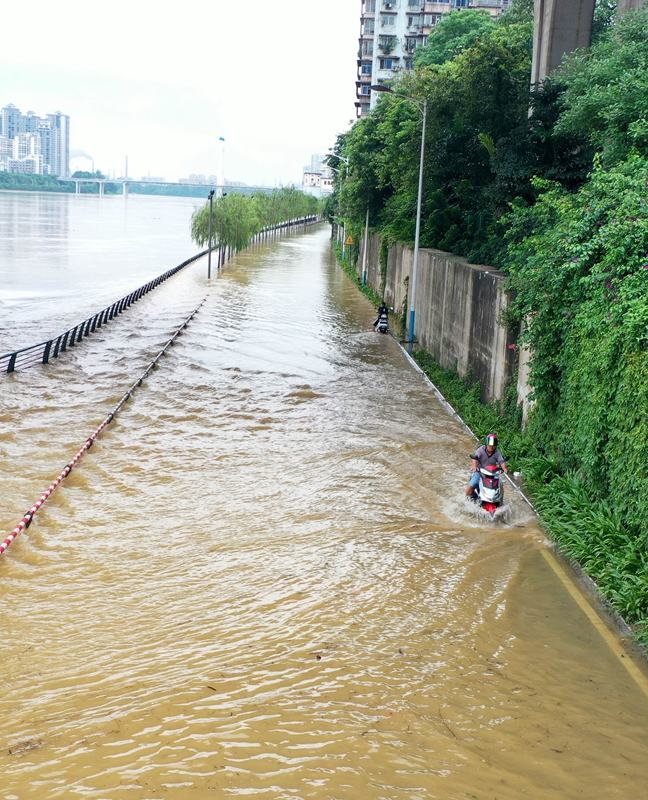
column 211, row 221
column 364, row 255
column 422, row 107
column 342, row 178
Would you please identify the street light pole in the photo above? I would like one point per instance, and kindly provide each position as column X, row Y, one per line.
column 417, row 234
column 413, row 278
column 364, row 256
column 211, row 222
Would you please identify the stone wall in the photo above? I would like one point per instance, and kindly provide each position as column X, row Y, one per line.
column 458, row 311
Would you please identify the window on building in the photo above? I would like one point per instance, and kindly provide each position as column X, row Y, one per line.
column 365, row 90
column 409, row 64
column 431, row 20
column 366, row 49
column 369, row 6
column 413, row 22
column 388, row 63
column 388, row 20
column 368, row 27
column 387, row 44
column 411, row 44
column 365, row 69
column 414, row 3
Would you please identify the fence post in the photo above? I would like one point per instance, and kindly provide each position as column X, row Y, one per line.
column 46, row 352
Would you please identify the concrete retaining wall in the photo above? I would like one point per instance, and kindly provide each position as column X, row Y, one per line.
column 458, row 308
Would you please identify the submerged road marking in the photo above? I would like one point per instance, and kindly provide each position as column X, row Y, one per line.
column 610, row 639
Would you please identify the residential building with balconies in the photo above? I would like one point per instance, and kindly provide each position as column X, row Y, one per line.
column 390, row 32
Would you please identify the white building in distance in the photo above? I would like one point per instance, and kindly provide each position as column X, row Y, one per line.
column 391, row 31
column 32, row 144
column 317, row 177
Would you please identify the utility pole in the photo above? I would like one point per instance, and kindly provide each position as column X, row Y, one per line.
column 211, row 218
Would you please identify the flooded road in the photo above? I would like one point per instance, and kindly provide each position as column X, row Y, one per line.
column 261, row 582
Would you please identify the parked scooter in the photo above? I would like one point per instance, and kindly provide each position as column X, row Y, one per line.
column 489, row 495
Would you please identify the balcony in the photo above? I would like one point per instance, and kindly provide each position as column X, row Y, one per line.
column 387, row 45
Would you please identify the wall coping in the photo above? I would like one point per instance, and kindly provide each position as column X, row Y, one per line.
column 461, row 260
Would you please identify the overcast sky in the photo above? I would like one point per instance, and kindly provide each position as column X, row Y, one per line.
column 160, row 83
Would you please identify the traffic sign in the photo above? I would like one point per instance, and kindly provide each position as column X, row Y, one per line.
column 349, row 240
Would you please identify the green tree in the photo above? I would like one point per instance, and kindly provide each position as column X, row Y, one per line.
column 96, row 175
column 606, row 96
column 237, row 217
column 455, row 33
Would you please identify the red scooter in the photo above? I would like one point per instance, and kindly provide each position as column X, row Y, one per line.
column 489, row 495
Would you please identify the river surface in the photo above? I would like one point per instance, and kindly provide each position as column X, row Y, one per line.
column 261, row 580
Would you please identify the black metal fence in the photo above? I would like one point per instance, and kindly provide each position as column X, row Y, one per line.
column 44, row 352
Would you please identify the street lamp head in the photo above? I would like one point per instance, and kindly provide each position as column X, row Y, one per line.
column 380, row 87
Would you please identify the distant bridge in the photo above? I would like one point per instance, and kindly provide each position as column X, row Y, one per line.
column 126, row 182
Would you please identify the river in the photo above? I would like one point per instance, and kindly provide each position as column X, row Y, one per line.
column 261, row 580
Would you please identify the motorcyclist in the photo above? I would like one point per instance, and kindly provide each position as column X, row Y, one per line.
column 383, row 310
column 487, row 455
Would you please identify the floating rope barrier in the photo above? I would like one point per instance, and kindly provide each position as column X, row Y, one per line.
column 26, row 521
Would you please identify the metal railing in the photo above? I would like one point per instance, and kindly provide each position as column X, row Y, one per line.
column 44, row 352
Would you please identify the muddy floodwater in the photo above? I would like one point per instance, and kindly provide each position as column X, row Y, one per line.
column 261, row 580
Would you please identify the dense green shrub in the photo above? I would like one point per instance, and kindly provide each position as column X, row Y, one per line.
column 582, row 288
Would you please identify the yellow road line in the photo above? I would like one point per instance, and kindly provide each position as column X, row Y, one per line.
column 615, row 646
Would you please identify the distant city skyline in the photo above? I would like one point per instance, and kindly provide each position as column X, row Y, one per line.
column 32, row 144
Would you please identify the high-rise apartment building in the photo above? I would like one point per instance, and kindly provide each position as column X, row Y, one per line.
column 390, row 32
column 60, row 154
column 29, row 143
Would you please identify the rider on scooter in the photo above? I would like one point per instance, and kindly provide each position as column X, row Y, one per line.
column 384, row 309
column 487, row 455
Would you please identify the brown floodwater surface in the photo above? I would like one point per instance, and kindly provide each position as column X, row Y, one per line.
column 261, row 580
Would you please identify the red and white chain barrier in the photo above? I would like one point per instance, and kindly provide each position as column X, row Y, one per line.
column 25, row 522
